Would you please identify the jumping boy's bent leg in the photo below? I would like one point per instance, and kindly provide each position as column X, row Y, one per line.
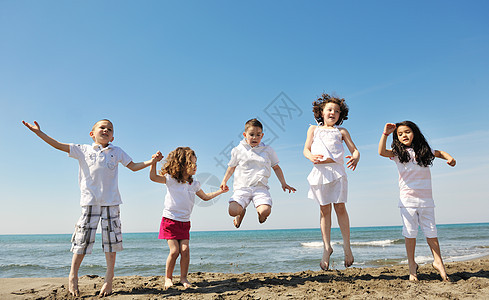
column 325, row 224
column 344, row 223
column 73, row 277
column 109, row 274
column 184, row 262
column 438, row 261
column 263, row 211
column 236, row 211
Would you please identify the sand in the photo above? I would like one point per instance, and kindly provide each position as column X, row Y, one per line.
column 470, row 280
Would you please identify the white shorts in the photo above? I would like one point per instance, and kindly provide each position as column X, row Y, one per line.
column 258, row 194
column 84, row 236
column 413, row 217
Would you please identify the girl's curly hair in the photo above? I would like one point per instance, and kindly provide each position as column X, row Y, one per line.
column 318, row 107
column 424, row 155
column 179, row 164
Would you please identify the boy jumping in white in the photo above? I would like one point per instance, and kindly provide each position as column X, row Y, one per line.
column 252, row 160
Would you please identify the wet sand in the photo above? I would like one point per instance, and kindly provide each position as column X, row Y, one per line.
column 470, row 280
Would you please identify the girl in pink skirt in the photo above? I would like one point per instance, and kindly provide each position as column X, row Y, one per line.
column 177, row 173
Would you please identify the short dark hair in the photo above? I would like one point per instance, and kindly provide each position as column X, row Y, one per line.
column 253, row 123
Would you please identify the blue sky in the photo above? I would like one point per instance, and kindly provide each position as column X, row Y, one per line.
column 190, row 73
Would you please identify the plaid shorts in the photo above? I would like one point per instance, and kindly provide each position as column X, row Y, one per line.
column 84, row 236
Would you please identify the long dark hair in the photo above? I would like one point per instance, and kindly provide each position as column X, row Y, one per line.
column 422, row 150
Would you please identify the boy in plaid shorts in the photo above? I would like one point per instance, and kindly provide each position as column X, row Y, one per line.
column 100, row 196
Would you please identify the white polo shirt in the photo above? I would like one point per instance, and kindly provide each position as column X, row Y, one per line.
column 253, row 164
column 179, row 199
column 414, row 183
column 98, row 173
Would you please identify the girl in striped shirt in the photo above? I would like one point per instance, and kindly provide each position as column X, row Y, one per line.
column 413, row 156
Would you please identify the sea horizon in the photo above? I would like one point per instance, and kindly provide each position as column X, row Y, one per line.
column 238, row 251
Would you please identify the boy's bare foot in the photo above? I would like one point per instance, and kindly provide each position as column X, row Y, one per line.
column 348, row 257
column 168, row 283
column 73, row 286
column 324, row 264
column 441, row 268
column 106, row 289
column 238, row 219
column 186, row 283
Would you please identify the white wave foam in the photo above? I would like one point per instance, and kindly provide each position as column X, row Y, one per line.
column 312, row 244
column 382, row 243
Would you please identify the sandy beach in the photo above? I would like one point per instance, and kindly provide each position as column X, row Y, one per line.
column 470, row 279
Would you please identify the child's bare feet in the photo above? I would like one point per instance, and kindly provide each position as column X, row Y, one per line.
column 73, row 286
column 238, row 219
column 324, row 264
column 106, row 289
column 185, row 282
column 413, row 274
column 441, row 268
column 168, row 283
column 348, row 257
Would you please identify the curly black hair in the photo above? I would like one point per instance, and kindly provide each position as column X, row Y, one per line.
column 424, row 155
column 318, row 107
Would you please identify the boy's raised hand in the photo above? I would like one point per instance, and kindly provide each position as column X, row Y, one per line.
column 157, row 157
column 34, row 128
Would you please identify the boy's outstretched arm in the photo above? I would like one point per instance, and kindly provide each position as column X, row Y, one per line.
column 54, row 143
column 141, row 165
column 280, row 175
column 227, row 175
column 442, row 154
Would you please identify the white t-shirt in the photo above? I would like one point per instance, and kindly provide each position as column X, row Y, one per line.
column 253, row 164
column 98, row 173
column 179, row 199
column 414, row 183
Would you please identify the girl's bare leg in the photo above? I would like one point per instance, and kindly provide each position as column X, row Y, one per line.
column 236, row 211
column 263, row 211
column 325, row 224
column 73, row 277
column 171, row 261
column 184, row 262
column 413, row 266
column 344, row 223
column 109, row 274
column 438, row 262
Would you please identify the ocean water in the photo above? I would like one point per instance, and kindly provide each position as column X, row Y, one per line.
column 254, row 251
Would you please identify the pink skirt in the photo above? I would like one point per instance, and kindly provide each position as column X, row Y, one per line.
column 174, row 230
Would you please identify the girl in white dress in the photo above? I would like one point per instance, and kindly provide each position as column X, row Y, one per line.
column 413, row 156
column 327, row 180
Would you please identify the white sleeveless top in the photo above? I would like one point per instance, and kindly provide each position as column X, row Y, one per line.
column 329, row 143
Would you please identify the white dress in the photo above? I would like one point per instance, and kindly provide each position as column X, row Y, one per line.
column 328, row 182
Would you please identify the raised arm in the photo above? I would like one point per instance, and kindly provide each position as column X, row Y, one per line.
column 208, row 196
column 383, row 151
column 280, row 175
column 227, row 175
column 141, row 165
column 54, row 143
column 152, row 169
column 307, row 146
column 442, row 154
column 355, row 154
